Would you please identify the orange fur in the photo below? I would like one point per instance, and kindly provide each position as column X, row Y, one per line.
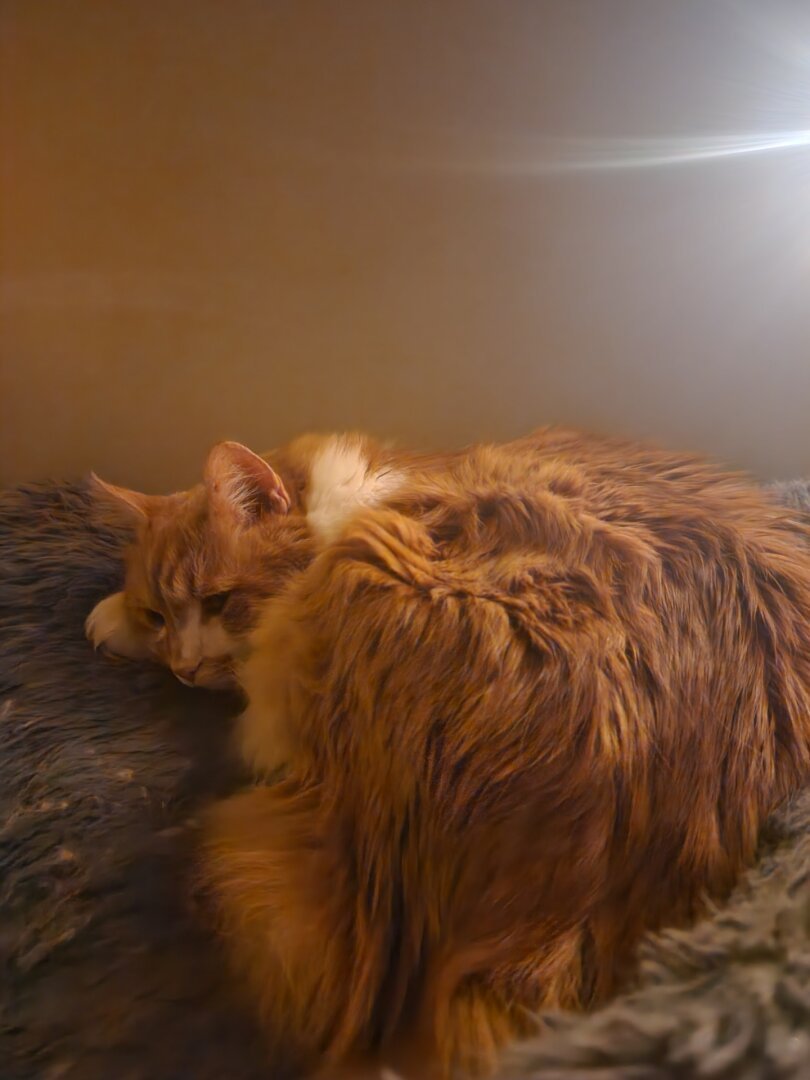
column 533, row 703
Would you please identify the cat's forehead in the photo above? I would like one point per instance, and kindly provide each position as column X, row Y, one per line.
column 180, row 549
column 186, row 551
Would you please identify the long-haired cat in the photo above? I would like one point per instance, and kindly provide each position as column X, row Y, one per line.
column 532, row 700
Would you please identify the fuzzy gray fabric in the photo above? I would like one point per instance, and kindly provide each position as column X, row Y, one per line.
column 105, row 972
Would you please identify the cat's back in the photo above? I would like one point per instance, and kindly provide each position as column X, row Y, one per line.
column 563, row 489
column 610, row 475
column 575, row 545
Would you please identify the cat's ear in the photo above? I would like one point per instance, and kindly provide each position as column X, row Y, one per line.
column 133, row 503
column 242, row 485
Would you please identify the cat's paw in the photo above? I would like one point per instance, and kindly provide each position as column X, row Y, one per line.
column 110, row 629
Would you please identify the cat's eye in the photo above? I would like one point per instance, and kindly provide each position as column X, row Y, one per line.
column 215, row 604
column 154, row 618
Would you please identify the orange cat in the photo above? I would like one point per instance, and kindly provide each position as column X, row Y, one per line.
column 532, row 700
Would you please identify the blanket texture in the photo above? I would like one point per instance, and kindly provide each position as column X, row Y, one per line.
column 106, row 974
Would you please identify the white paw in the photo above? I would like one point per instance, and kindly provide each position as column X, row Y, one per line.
column 109, row 627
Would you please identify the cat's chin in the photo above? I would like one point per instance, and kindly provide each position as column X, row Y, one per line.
column 220, row 678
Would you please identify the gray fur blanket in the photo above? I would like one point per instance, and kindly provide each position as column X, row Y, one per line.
column 105, row 972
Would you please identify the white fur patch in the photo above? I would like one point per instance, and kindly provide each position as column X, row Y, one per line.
column 341, row 483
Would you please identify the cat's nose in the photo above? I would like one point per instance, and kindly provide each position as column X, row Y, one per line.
column 186, row 673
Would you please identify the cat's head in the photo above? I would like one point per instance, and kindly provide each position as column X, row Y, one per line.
column 204, row 561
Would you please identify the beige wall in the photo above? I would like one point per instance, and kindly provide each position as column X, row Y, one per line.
column 244, row 218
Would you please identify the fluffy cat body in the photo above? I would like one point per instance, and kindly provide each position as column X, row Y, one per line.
column 531, row 701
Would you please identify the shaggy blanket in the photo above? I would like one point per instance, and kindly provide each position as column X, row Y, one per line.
column 105, row 972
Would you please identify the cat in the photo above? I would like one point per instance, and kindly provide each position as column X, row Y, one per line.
column 529, row 702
